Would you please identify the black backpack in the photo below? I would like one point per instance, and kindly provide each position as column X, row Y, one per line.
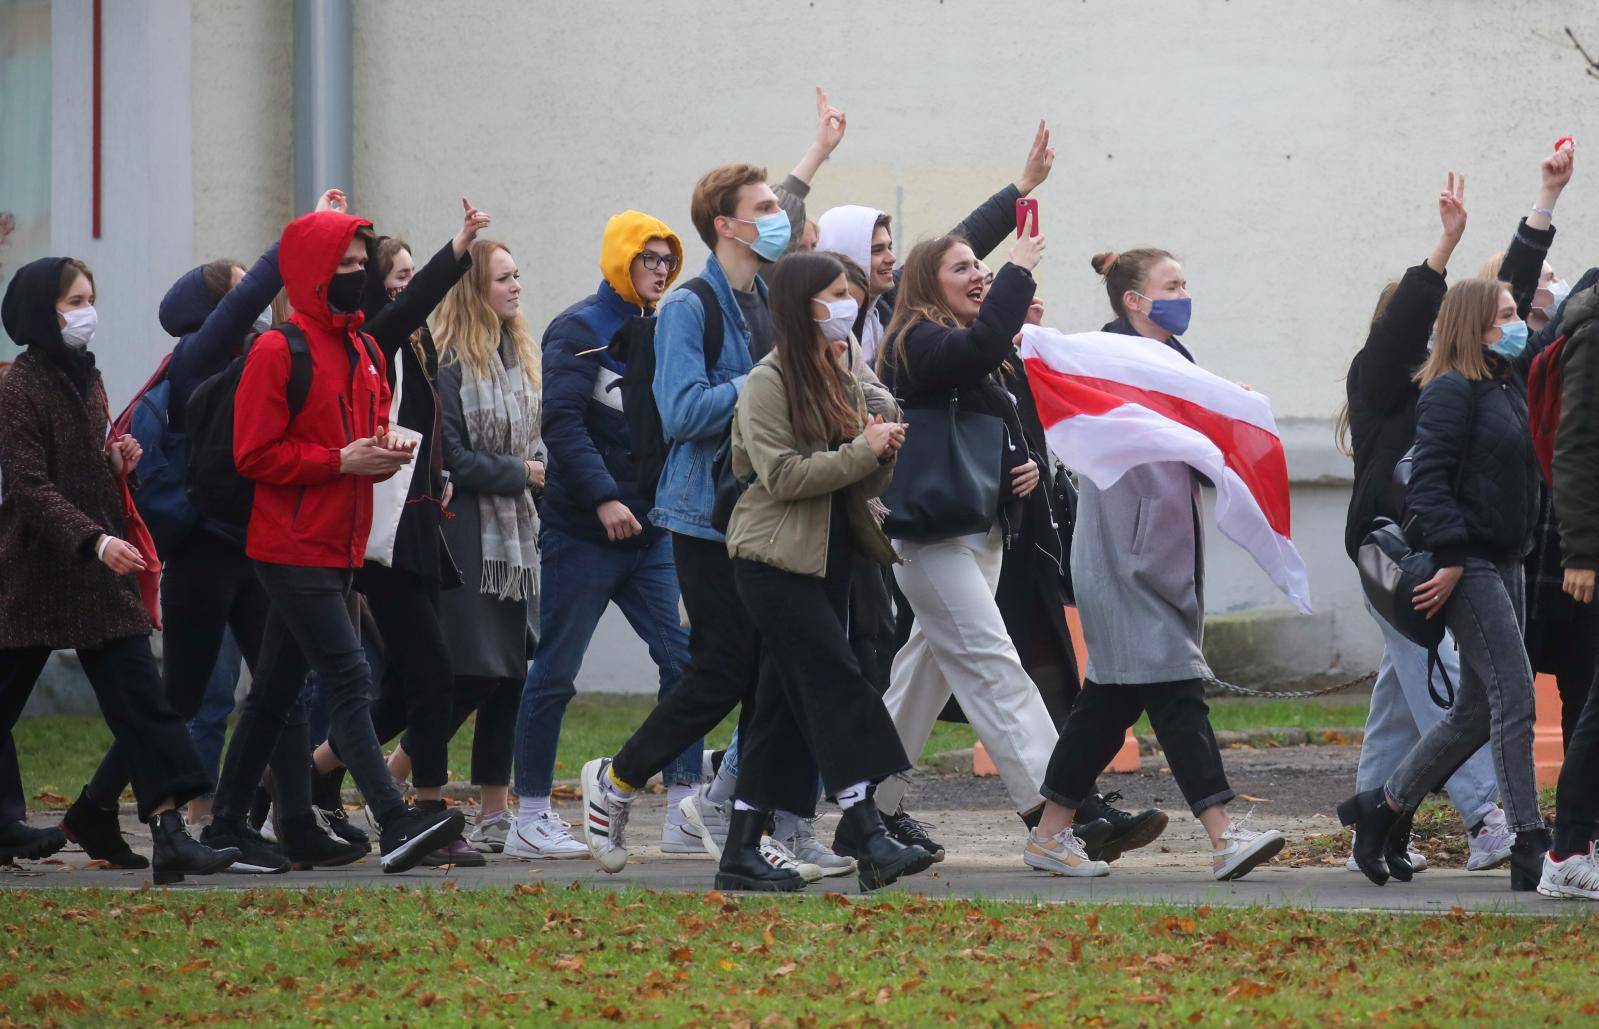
column 218, row 492
column 634, row 346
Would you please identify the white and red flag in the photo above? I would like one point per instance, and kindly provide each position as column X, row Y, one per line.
column 1111, row 402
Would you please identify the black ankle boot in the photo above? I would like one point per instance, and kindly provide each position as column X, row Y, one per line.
column 1526, row 859
column 98, row 832
column 306, row 845
column 1372, row 819
column 880, row 859
column 178, row 854
column 743, row 867
column 1396, row 849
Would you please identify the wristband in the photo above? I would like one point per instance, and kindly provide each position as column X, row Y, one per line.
column 99, row 552
column 1547, row 212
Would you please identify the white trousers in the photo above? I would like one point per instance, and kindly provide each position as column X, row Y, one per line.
column 959, row 645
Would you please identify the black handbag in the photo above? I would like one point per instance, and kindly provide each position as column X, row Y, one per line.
column 947, row 474
column 727, row 486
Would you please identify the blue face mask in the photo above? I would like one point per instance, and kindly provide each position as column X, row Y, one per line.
column 1171, row 315
column 773, row 232
column 1512, row 340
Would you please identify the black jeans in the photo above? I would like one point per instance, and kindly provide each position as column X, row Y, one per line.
column 416, row 695
column 724, row 659
column 814, row 708
column 207, row 585
column 1577, row 794
column 1568, row 649
column 309, row 625
column 127, row 685
column 1098, row 724
column 494, row 736
column 13, row 806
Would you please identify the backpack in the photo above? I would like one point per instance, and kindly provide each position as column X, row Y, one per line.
column 158, row 487
column 222, row 497
column 634, row 346
column 1543, row 404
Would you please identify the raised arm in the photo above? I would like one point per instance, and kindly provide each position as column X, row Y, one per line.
column 792, row 191
column 209, row 348
column 995, row 218
column 409, row 311
column 1524, row 258
column 950, row 358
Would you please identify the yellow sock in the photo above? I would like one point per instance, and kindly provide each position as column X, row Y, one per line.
column 619, row 784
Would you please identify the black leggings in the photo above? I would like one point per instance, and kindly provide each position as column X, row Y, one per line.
column 417, row 696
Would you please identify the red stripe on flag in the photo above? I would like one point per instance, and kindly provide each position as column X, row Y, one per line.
column 1254, row 454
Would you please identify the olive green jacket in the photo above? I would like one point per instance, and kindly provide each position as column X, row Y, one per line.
column 784, row 516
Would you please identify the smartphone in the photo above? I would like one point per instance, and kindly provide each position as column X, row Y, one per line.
column 1026, row 216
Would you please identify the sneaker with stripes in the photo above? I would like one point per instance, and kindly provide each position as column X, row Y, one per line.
column 605, row 810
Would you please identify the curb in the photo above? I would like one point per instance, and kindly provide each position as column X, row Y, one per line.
column 960, row 761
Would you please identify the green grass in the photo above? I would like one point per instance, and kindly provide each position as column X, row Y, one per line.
column 538, row 953
column 59, row 752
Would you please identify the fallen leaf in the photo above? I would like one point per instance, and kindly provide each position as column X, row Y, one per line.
column 52, row 799
column 786, row 968
column 1253, row 800
column 682, row 956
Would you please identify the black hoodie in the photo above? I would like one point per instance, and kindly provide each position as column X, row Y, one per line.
column 29, row 315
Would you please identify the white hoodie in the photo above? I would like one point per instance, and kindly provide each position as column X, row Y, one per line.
column 848, row 230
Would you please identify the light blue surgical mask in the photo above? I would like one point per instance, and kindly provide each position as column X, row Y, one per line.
column 772, row 235
column 1512, row 340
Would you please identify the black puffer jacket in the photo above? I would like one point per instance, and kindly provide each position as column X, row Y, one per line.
column 1474, row 482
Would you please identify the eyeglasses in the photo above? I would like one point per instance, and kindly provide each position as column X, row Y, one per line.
column 652, row 261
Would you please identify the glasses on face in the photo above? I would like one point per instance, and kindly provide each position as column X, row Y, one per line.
column 653, row 261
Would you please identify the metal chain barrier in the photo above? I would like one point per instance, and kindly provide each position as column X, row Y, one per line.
column 1290, row 694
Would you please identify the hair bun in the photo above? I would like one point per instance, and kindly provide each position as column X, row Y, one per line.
column 1103, row 263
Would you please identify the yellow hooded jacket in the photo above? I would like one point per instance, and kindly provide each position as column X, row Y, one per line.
column 624, row 239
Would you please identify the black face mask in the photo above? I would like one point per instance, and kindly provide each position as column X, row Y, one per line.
column 344, row 292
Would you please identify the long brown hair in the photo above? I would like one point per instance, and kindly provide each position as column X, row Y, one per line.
column 819, row 407
column 920, row 299
column 1469, row 310
column 217, row 276
column 1341, row 423
column 466, row 329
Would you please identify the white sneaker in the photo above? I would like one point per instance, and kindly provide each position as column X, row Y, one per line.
column 680, row 838
column 547, row 838
column 1244, row 850
column 1489, row 846
column 1418, row 860
column 1576, row 878
column 489, row 835
column 1061, row 854
column 707, row 765
column 801, row 841
column 707, row 819
column 605, row 810
column 779, row 856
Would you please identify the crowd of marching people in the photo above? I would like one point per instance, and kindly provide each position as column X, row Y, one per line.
column 815, row 479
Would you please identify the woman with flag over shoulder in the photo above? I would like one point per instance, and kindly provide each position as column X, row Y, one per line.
column 1138, row 564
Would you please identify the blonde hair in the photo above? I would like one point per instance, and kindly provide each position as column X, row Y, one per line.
column 466, row 329
column 1469, row 310
column 1490, row 267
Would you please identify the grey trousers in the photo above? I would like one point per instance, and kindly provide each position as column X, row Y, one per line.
column 1493, row 700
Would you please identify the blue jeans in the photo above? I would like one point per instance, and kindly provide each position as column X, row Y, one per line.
column 1402, row 712
column 577, row 579
column 209, row 727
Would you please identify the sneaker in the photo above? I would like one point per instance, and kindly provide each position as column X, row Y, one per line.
column 488, row 835
column 547, row 838
column 1129, row 831
column 708, row 820
column 1244, row 850
column 412, row 835
column 1418, row 860
column 779, row 856
column 256, row 855
column 605, row 811
column 911, row 833
column 1061, row 854
column 681, row 838
column 807, row 849
column 1489, row 847
column 337, row 822
column 1576, row 878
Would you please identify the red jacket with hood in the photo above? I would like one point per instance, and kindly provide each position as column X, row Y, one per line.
column 306, row 512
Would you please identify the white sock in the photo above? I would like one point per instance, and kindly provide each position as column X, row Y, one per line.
column 531, row 808
column 720, row 791
column 739, row 805
column 849, row 796
column 674, row 797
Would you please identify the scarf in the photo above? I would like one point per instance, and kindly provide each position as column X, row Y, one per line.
column 502, row 417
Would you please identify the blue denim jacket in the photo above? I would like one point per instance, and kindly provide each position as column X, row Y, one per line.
column 695, row 412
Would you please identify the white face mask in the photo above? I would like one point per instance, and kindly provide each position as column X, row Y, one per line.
column 263, row 321
column 840, row 318
column 1558, row 290
column 78, row 333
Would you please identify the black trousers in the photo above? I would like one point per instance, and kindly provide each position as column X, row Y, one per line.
column 814, row 708
column 416, row 696
column 1577, row 794
column 724, row 660
column 309, row 627
column 1567, row 649
column 494, row 736
column 207, row 585
column 871, row 621
column 127, row 685
column 1099, row 721
column 13, row 805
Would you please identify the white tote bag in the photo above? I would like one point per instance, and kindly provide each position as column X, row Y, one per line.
column 388, row 496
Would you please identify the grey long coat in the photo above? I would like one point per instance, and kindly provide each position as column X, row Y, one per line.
column 1138, row 565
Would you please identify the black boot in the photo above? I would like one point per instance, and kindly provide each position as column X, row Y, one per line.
column 879, row 857
column 327, row 788
column 21, row 840
column 911, row 833
column 98, row 832
column 1396, row 851
column 1526, row 859
column 743, row 867
column 1372, row 819
column 178, row 854
column 1129, row 831
column 306, row 845
column 1030, row 818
